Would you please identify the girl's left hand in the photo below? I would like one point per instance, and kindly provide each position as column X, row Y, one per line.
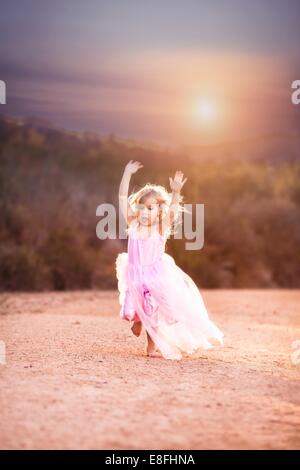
column 177, row 183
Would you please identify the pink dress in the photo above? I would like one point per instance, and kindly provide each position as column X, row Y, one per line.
column 154, row 290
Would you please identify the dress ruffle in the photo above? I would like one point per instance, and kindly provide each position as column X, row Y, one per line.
column 168, row 303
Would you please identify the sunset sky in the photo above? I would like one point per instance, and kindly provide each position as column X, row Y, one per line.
column 164, row 71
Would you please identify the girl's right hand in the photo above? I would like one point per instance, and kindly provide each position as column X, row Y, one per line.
column 133, row 167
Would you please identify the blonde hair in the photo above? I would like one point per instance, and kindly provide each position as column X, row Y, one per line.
column 164, row 199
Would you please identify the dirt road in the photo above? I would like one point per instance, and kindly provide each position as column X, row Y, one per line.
column 76, row 378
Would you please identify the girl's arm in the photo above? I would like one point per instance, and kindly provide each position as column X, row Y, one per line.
column 176, row 185
column 130, row 169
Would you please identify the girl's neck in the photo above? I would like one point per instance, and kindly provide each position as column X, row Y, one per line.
column 146, row 228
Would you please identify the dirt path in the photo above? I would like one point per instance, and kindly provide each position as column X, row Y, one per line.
column 75, row 376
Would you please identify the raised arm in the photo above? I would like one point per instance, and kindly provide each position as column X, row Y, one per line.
column 130, row 169
column 176, row 185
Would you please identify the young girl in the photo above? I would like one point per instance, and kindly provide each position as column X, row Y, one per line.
column 153, row 291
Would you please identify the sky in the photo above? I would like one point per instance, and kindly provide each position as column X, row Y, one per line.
column 167, row 71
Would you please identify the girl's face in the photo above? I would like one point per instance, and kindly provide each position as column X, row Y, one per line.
column 148, row 211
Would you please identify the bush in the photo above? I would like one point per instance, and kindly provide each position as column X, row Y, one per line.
column 70, row 263
column 22, row 269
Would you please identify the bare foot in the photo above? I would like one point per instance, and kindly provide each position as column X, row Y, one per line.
column 152, row 350
column 137, row 328
column 153, row 353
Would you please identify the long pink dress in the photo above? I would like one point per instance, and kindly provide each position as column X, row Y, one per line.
column 155, row 290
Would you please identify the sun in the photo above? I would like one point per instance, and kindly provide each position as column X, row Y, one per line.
column 206, row 110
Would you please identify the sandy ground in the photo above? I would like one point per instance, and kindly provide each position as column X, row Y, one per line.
column 76, row 378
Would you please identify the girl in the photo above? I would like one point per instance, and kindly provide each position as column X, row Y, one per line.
column 153, row 291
